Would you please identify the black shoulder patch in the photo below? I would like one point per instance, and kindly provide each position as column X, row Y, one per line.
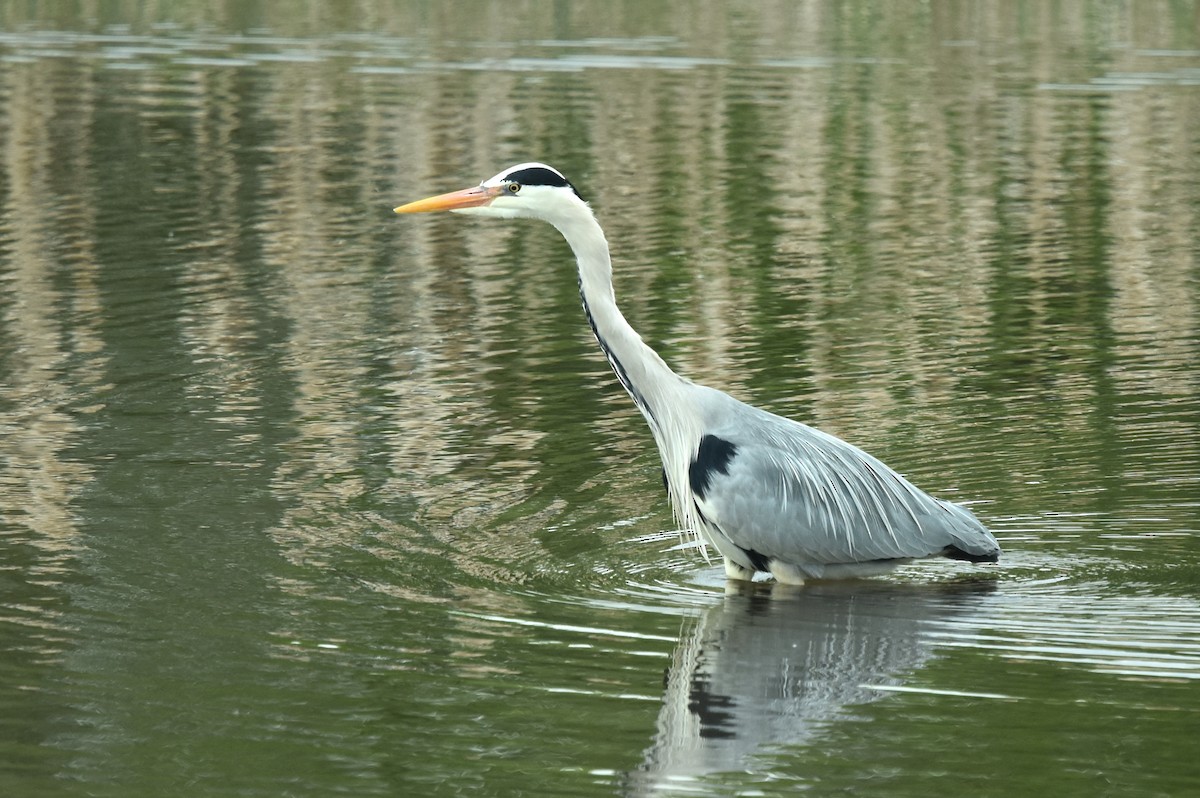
column 713, row 455
column 955, row 553
column 540, row 176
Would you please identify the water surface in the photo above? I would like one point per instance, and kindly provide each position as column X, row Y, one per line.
column 298, row 497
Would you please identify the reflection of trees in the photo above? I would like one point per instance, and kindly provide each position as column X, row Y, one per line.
column 878, row 219
column 763, row 670
column 927, row 228
column 50, row 361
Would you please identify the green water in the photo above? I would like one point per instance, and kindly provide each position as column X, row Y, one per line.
column 299, row 497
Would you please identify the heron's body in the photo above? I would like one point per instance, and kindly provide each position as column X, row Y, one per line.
column 770, row 494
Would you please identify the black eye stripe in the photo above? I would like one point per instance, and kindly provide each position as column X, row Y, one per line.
column 540, row 176
column 537, row 176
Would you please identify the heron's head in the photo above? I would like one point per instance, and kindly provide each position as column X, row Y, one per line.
column 527, row 190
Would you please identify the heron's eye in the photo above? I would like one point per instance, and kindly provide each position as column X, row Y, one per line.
column 513, row 188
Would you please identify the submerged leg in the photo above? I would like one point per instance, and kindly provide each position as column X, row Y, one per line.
column 786, row 573
column 735, row 571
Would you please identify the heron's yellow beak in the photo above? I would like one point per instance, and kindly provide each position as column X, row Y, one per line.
column 467, row 198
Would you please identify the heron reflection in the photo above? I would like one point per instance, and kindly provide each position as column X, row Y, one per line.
column 771, row 667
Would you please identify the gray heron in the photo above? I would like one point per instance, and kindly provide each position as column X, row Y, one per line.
column 770, row 494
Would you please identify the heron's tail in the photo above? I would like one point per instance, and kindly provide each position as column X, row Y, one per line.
column 955, row 553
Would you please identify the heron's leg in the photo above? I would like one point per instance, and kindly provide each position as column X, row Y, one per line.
column 735, row 571
column 786, row 573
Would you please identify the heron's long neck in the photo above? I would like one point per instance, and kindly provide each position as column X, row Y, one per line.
column 647, row 378
column 662, row 395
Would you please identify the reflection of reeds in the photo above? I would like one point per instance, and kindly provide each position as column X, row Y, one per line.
column 49, row 313
column 877, row 222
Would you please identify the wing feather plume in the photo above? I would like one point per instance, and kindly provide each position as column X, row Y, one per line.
column 796, row 494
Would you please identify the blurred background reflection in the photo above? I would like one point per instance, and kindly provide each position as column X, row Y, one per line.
column 300, row 497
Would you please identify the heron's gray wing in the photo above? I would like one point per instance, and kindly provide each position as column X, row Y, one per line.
column 787, row 491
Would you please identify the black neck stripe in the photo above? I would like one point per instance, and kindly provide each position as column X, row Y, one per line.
column 618, row 369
